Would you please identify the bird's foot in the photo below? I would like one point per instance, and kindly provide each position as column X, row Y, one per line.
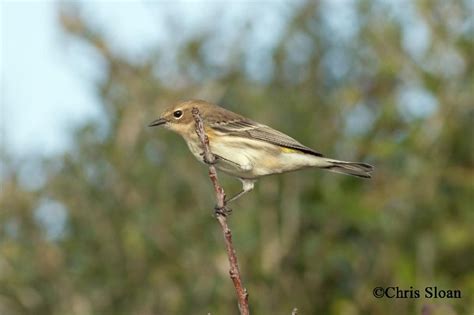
column 224, row 211
column 205, row 160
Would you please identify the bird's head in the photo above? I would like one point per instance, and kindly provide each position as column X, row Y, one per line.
column 179, row 117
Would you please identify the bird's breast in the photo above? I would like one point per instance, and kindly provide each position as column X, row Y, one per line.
column 249, row 158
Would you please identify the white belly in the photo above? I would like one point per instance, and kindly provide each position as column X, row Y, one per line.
column 253, row 158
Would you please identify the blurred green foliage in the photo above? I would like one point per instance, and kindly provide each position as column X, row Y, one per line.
column 137, row 235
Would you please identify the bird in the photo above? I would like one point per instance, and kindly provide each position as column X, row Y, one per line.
column 246, row 149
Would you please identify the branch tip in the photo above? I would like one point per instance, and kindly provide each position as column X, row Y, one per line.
column 221, row 212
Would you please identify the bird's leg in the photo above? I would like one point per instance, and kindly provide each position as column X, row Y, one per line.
column 236, row 196
column 247, row 185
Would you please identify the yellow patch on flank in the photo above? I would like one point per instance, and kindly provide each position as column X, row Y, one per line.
column 209, row 132
column 288, row 150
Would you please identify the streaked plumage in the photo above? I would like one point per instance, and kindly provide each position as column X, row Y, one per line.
column 247, row 149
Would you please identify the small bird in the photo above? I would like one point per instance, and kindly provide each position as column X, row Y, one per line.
column 247, row 149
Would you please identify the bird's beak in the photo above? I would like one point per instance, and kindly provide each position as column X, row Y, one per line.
column 159, row 121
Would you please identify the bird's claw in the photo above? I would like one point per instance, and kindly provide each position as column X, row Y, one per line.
column 205, row 160
column 224, row 211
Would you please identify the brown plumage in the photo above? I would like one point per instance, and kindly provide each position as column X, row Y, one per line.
column 247, row 149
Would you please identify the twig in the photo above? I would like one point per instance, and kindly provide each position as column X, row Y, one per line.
column 209, row 158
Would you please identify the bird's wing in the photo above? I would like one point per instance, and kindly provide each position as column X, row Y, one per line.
column 246, row 128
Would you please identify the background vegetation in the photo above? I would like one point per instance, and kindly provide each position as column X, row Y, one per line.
column 122, row 223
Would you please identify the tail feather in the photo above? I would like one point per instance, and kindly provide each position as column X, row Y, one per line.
column 350, row 168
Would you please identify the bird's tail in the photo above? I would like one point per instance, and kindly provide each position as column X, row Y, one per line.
column 349, row 168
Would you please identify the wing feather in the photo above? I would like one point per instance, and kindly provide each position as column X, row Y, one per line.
column 250, row 129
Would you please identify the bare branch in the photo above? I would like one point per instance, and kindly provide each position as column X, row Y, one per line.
column 209, row 158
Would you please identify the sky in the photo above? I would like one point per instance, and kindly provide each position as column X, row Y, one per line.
column 47, row 78
column 41, row 92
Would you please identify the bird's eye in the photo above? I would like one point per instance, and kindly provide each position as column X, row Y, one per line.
column 177, row 114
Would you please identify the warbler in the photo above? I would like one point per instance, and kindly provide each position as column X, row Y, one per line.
column 247, row 149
